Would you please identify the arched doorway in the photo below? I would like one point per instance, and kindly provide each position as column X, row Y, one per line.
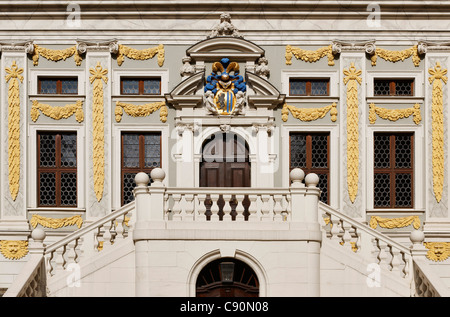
column 227, row 277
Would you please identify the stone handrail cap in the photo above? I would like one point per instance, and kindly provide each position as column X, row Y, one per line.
column 141, row 179
column 38, row 234
column 417, row 236
column 157, row 174
column 297, row 175
column 311, row 180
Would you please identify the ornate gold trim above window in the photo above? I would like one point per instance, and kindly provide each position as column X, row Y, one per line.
column 352, row 79
column 13, row 77
column 391, row 223
column 141, row 110
column 14, row 249
column 309, row 55
column 98, row 74
column 57, row 112
column 56, row 55
column 437, row 119
column 395, row 56
column 55, row 223
column 394, row 114
column 437, row 251
column 309, row 114
column 140, row 54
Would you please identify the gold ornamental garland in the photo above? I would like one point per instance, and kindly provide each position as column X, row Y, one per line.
column 140, row 54
column 57, row 112
column 13, row 249
column 56, row 55
column 391, row 223
column 352, row 79
column 13, row 76
column 309, row 55
column 309, row 114
column 437, row 119
column 56, row 223
column 98, row 74
column 437, row 251
column 394, row 114
column 395, row 56
column 141, row 110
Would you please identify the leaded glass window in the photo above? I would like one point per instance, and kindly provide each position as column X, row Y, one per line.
column 393, row 87
column 140, row 86
column 310, row 152
column 393, row 170
column 141, row 152
column 57, row 86
column 309, row 87
column 57, row 169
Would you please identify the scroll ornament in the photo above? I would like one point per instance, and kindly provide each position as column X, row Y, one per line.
column 391, row 223
column 56, row 55
column 58, row 112
column 352, row 79
column 309, row 114
column 97, row 79
column 56, row 223
column 13, row 76
column 394, row 114
column 141, row 110
column 13, row 249
column 395, row 56
column 437, row 126
column 140, row 54
column 437, row 251
column 309, row 55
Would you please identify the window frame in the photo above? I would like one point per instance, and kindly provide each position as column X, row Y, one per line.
column 56, row 73
column 392, row 84
column 392, row 170
column 333, row 83
column 139, row 73
column 308, row 88
column 58, row 85
column 416, row 75
column 141, row 85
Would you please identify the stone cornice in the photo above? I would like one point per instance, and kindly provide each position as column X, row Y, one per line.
column 20, row 47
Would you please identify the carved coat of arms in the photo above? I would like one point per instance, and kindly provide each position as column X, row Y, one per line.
column 225, row 89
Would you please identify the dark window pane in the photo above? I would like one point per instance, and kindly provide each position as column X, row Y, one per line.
column 69, row 150
column 47, row 150
column 381, row 151
column 130, row 86
column 47, row 189
column 403, row 151
column 69, row 86
column 381, row 190
column 319, row 88
column 403, row 190
column 128, row 186
column 68, row 189
column 297, row 87
column 152, row 86
column 48, row 86
column 319, row 151
column 131, row 150
column 152, row 143
column 403, row 87
column 298, row 150
column 323, row 185
column 381, row 87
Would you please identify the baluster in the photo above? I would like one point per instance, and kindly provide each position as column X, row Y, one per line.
column 176, row 210
column 395, row 263
column 346, row 238
column 253, row 208
column 406, row 264
column 334, row 227
column 189, row 207
column 278, row 209
column 166, row 206
column 227, row 208
column 70, row 253
column 357, row 240
column 60, row 261
column 214, row 207
column 288, row 208
column 240, row 208
column 107, row 237
column 119, row 228
column 382, row 255
column 265, row 208
column 201, row 207
column 100, row 240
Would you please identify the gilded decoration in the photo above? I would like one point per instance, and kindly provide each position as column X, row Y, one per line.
column 97, row 79
column 394, row 114
column 437, row 118
column 56, row 223
column 13, row 76
column 309, row 114
column 13, row 249
column 141, row 110
column 225, row 89
column 391, row 223
column 58, row 112
column 309, row 55
column 140, row 54
column 352, row 79
column 437, row 251
column 56, row 55
column 395, row 56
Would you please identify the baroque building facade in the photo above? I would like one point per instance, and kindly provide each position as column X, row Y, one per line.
column 149, row 151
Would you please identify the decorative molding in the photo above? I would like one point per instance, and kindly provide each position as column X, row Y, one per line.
column 395, row 56
column 56, row 223
column 56, row 55
column 13, row 77
column 437, row 251
column 437, row 119
column 14, row 249
column 391, row 223
column 309, row 55
column 224, row 28
column 352, row 79
column 98, row 74
column 141, row 110
column 140, row 54
column 309, row 114
column 57, row 112
column 350, row 46
column 394, row 114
